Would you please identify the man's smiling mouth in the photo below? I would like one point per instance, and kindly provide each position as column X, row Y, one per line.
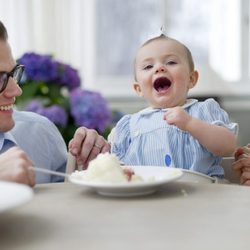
column 162, row 84
column 6, row 107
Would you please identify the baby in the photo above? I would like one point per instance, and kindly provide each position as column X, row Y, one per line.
column 173, row 131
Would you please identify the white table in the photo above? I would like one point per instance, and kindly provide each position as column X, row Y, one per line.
column 180, row 216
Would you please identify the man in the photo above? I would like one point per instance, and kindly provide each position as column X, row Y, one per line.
column 28, row 139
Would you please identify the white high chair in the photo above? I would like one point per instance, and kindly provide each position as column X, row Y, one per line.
column 230, row 176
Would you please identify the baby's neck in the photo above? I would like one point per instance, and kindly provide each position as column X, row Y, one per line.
column 167, row 107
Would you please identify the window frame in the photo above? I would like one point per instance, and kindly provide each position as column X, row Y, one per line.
column 109, row 88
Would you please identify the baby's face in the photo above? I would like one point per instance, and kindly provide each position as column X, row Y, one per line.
column 163, row 75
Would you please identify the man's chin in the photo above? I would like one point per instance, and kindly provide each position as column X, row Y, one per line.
column 7, row 127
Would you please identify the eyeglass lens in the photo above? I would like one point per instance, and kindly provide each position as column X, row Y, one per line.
column 16, row 73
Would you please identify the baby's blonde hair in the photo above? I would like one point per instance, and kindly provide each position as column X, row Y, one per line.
column 162, row 36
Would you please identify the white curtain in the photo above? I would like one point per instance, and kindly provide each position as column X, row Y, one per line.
column 18, row 21
column 225, row 39
column 62, row 28
column 66, row 30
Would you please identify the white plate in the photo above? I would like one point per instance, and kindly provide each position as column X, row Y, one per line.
column 13, row 195
column 193, row 176
column 160, row 176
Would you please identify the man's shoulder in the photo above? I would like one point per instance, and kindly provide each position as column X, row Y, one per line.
column 30, row 123
column 30, row 117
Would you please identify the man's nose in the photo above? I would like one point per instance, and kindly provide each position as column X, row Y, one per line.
column 12, row 88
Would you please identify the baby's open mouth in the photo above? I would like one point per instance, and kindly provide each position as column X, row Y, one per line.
column 162, row 84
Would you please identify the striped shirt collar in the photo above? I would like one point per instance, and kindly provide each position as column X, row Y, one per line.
column 150, row 110
column 6, row 136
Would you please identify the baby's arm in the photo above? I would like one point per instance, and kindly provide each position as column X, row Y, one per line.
column 216, row 139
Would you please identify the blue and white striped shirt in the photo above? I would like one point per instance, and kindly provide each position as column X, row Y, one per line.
column 145, row 138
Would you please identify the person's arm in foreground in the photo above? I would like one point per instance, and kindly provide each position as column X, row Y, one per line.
column 242, row 164
column 86, row 145
column 14, row 166
column 216, row 139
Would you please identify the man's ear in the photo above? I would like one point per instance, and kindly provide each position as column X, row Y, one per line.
column 194, row 75
column 137, row 89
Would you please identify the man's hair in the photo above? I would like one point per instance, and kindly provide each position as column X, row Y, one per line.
column 3, row 32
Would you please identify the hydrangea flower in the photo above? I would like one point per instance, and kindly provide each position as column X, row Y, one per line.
column 39, row 67
column 34, row 106
column 68, row 76
column 89, row 109
column 52, row 89
column 55, row 113
column 43, row 68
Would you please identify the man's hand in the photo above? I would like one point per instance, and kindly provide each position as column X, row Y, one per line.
column 14, row 166
column 86, row 145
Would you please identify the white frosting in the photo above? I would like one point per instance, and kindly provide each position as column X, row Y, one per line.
column 104, row 168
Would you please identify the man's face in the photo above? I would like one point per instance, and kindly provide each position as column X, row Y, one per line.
column 7, row 97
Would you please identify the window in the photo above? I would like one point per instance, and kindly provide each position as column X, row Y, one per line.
column 211, row 29
column 100, row 38
column 120, row 29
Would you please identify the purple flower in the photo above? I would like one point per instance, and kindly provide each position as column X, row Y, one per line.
column 45, row 69
column 67, row 76
column 89, row 109
column 55, row 113
column 33, row 106
column 45, row 80
column 39, row 67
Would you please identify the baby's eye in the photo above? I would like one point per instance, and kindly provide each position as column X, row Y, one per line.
column 148, row 67
column 171, row 62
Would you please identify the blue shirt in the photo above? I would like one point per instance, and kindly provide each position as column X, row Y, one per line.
column 41, row 140
column 145, row 138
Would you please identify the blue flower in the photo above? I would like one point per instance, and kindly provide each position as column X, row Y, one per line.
column 89, row 109
column 52, row 89
column 43, row 68
column 55, row 113
column 67, row 76
column 33, row 106
column 39, row 67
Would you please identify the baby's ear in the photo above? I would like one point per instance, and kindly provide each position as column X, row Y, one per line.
column 137, row 89
column 194, row 75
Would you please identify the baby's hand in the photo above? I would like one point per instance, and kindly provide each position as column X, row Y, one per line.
column 177, row 116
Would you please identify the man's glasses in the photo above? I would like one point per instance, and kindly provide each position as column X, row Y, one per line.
column 16, row 74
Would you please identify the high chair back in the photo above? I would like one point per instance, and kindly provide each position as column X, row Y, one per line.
column 230, row 174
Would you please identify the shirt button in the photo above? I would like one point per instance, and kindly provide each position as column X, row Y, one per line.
column 168, row 160
column 136, row 133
